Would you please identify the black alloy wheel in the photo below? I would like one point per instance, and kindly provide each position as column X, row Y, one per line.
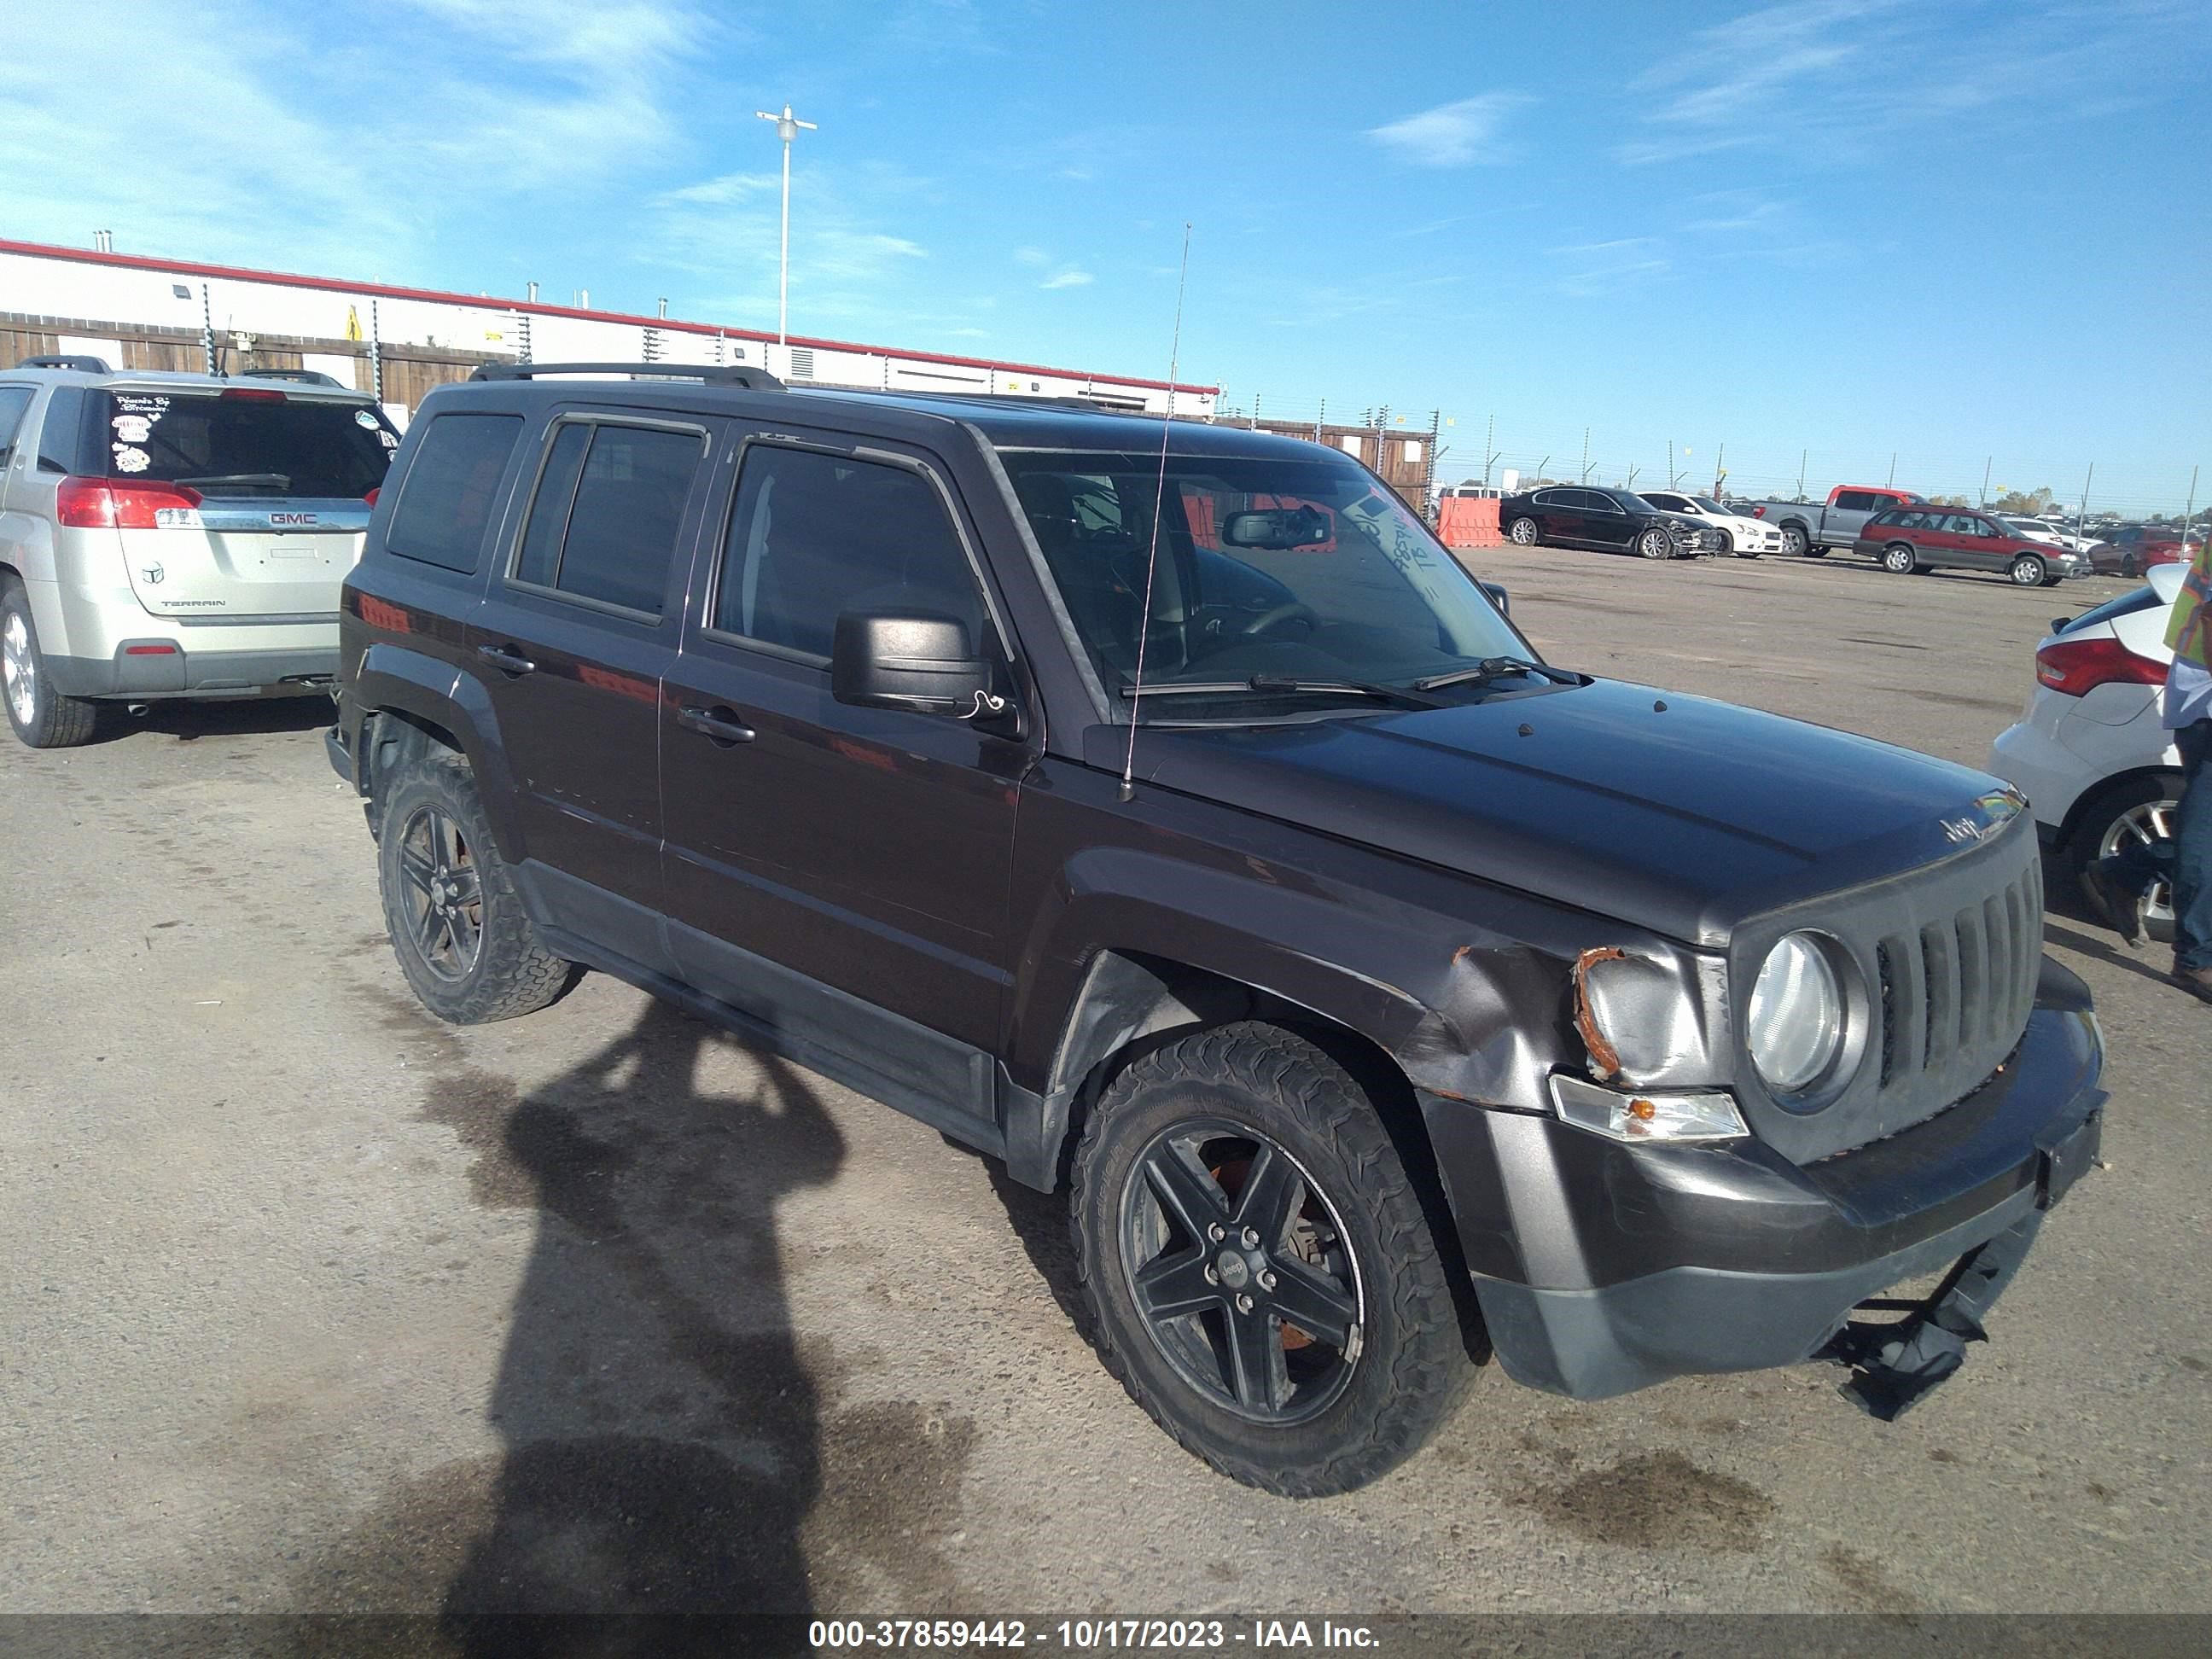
column 1239, row 1270
column 1261, row 1271
column 443, row 896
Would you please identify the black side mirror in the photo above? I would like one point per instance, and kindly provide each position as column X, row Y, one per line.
column 1497, row 593
column 921, row 663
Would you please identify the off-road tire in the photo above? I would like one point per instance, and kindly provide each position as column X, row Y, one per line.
column 514, row 974
column 56, row 721
column 1413, row 1367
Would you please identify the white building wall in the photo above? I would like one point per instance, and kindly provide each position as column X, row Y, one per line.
column 59, row 286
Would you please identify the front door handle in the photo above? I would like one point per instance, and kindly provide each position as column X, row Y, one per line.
column 509, row 659
column 720, row 723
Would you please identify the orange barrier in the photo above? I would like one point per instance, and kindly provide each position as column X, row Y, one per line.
column 1469, row 521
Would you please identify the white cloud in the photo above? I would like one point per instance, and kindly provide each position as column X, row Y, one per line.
column 1031, row 256
column 1458, row 135
column 1068, row 278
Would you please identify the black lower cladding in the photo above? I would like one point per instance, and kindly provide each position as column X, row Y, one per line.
column 1602, row 1267
column 148, row 674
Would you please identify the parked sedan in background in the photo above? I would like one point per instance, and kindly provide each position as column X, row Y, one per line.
column 2097, row 766
column 1610, row 520
column 2130, row 549
column 2045, row 529
column 1744, row 535
column 1908, row 540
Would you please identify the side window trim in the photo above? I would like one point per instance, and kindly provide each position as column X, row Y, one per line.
column 860, row 449
column 513, row 539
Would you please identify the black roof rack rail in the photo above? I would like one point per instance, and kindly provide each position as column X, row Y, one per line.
column 300, row 376
column 85, row 364
column 752, row 379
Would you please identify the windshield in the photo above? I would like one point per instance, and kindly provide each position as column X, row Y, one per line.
column 255, row 443
column 1288, row 569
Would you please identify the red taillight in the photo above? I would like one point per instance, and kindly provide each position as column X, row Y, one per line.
column 2075, row 667
column 371, row 497
column 108, row 504
column 257, row 394
column 1757, row 512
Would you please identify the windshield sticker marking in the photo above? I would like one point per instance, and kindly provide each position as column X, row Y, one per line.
column 128, row 459
column 362, row 417
column 132, row 428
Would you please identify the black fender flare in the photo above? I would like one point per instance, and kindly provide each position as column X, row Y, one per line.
column 396, row 679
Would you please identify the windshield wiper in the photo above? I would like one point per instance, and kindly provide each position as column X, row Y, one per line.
column 1497, row 668
column 255, row 480
column 1273, row 684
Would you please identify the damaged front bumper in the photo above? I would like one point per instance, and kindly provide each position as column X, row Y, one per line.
column 1603, row 1267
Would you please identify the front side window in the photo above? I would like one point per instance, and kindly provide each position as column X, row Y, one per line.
column 1302, row 569
column 814, row 535
column 445, row 499
column 616, row 495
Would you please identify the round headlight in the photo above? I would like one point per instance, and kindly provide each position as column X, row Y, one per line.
column 1795, row 1025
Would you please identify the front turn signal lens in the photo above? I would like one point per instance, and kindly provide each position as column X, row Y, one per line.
column 1672, row 1115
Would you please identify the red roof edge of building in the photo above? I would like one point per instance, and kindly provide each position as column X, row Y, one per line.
column 538, row 308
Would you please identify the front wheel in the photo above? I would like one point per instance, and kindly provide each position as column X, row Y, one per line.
column 1656, row 544
column 465, row 942
column 1259, row 1269
column 2027, row 571
column 1899, row 560
column 1523, row 533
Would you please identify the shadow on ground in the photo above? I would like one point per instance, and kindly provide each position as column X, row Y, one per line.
column 670, row 1447
column 189, row 722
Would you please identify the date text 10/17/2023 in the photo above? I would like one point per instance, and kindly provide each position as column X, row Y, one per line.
column 1189, row 1636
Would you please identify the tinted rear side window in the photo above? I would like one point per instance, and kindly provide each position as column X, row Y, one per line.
column 14, row 400
column 622, row 526
column 446, row 500
column 60, row 430
column 226, row 444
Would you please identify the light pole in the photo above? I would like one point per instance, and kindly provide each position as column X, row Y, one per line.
column 786, row 128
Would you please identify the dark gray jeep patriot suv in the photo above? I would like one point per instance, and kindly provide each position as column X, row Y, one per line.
column 1383, row 997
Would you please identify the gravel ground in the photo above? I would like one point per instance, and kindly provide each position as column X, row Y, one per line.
column 312, row 1304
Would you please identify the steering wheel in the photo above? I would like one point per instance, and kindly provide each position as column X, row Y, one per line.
column 1276, row 616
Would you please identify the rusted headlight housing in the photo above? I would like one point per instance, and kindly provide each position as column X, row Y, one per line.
column 1794, row 1024
column 1648, row 1114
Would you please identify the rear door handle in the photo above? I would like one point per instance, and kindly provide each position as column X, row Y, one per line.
column 510, row 659
column 720, row 723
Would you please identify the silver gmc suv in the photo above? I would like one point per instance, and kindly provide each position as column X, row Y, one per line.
column 168, row 536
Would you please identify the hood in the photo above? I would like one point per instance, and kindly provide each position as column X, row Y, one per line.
column 1673, row 813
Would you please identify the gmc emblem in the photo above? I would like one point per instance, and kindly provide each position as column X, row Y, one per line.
column 282, row 518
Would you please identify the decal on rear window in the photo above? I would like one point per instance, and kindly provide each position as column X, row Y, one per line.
column 132, row 428
column 128, row 459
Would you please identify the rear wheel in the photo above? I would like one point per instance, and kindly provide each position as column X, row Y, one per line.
column 1899, row 559
column 2129, row 567
column 2141, row 810
column 1795, row 542
column 1523, row 533
column 2027, row 571
column 41, row 716
column 1260, row 1272
column 467, row 946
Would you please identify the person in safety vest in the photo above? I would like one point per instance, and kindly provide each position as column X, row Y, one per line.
column 2116, row 885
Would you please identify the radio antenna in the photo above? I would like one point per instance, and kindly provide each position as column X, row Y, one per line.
column 1152, row 558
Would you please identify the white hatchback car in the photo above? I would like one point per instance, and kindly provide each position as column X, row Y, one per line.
column 1746, row 537
column 2097, row 766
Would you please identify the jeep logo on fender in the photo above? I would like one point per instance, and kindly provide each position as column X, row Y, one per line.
column 286, row 520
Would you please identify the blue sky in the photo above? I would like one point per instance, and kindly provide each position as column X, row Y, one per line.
column 1850, row 226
